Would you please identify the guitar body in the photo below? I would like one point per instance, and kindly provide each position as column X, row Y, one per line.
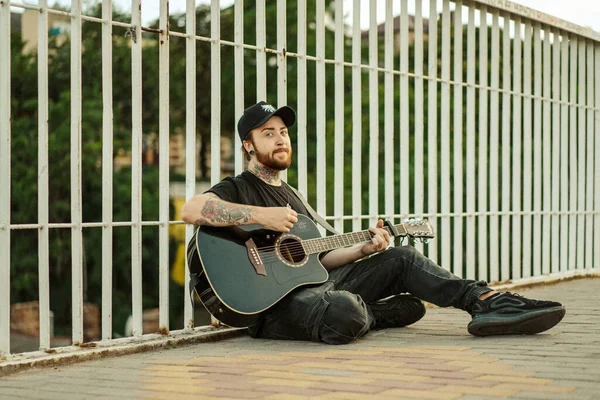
column 245, row 270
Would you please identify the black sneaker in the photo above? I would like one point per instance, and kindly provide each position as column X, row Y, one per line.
column 397, row 311
column 511, row 314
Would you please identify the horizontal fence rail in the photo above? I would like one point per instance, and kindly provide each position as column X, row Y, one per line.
column 482, row 116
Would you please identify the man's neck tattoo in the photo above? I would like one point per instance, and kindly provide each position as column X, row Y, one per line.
column 267, row 174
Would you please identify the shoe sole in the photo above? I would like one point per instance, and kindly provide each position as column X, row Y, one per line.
column 531, row 323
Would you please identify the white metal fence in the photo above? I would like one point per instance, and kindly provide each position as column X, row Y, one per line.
column 502, row 152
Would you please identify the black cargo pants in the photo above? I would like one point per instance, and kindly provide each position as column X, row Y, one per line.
column 337, row 312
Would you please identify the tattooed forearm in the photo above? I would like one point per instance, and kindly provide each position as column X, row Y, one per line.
column 218, row 212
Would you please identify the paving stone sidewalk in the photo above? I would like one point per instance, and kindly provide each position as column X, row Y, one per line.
column 433, row 359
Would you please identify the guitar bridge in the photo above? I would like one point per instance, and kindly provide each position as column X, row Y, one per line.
column 254, row 258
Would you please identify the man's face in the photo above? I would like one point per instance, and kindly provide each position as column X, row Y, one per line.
column 272, row 144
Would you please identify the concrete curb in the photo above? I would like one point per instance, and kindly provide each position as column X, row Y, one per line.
column 544, row 280
column 97, row 350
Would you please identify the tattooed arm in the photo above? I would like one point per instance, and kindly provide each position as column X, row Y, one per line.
column 209, row 209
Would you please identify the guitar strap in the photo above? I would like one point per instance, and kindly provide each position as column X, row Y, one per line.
column 194, row 280
column 313, row 213
column 193, row 269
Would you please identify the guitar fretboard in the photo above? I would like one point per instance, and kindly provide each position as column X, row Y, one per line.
column 319, row 245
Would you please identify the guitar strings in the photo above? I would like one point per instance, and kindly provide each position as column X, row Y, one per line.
column 295, row 244
column 327, row 237
column 294, row 249
column 335, row 236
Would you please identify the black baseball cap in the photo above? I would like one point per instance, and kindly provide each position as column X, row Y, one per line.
column 256, row 115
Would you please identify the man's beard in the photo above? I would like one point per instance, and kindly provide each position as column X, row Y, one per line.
column 269, row 161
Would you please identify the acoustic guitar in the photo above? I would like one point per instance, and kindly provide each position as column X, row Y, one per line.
column 239, row 272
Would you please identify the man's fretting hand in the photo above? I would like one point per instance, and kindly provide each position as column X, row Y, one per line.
column 280, row 219
column 380, row 241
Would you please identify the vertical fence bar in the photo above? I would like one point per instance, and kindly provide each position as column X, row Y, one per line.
column 43, row 238
column 373, row 117
column 5, row 177
column 339, row 116
column 321, row 125
column 516, row 160
column 356, row 119
column 432, row 72
column 546, row 156
column 136, row 167
column 445, row 137
column 281, row 54
column 76, row 212
column 457, row 139
column 302, row 153
column 527, row 135
column 589, row 186
column 537, row 150
column 573, row 154
column 190, row 131
column 555, row 151
column 564, row 152
column 261, row 56
column 404, row 118
column 506, row 150
column 389, row 49
column 482, row 240
column 419, row 198
column 163, row 176
column 281, row 61
column 470, row 175
column 238, row 54
column 596, row 158
column 107, row 170
column 215, row 88
column 493, row 165
column 581, row 140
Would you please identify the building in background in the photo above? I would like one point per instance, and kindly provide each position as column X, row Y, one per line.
column 396, row 30
column 59, row 27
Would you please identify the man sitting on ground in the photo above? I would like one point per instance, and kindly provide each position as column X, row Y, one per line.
column 349, row 304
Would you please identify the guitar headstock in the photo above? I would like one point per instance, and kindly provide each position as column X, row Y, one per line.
column 418, row 229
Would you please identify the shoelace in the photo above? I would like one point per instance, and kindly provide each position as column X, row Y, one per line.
column 534, row 302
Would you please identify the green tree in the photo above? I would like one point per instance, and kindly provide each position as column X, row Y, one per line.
column 24, row 178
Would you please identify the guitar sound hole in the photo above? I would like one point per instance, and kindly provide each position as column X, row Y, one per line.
column 291, row 250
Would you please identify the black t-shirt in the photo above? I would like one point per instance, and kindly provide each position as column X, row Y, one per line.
column 249, row 189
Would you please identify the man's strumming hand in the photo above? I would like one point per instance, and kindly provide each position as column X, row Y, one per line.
column 280, row 219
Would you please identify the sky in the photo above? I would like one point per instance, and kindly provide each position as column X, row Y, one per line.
column 581, row 12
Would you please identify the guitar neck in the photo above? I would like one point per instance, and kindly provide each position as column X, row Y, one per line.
column 319, row 245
